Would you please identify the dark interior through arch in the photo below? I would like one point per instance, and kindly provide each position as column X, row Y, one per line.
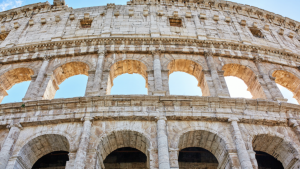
column 196, row 155
column 126, row 155
column 266, row 161
column 56, row 159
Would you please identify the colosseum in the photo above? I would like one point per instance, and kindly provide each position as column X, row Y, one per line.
column 209, row 39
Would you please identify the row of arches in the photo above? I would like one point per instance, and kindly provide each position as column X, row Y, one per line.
column 61, row 73
column 131, row 149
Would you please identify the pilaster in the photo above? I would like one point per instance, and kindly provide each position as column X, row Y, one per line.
column 84, row 143
column 158, row 90
column 162, row 144
column 240, row 144
column 9, row 143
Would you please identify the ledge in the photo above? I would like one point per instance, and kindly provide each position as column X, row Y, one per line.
column 142, row 107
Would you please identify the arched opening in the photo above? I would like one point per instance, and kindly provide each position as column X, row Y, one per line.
column 127, row 84
column 277, row 147
column 74, row 86
column 191, row 68
column 37, row 149
column 237, row 87
column 126, row 157
column 131, row 67
column 56, row 159
column 115, row 148
column 62, row 73
column 12, row 77
column 289, row 81
column 265, row 160
column 248, row 76
column 196, row 157
column 201, row 143
column 184, row 84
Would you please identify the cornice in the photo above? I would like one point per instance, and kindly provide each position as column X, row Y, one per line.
column 132, row 108
column 165, row 45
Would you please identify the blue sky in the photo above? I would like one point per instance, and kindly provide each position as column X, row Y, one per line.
column 180, row 83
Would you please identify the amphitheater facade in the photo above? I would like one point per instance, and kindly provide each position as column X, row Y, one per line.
column 209, row 39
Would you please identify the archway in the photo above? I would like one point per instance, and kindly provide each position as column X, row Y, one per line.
column 57, row 159
column 40, row 146
column 277, row 147
column 192, row 68
column 196, row 157
column 123, row 67
column 248, row 76
column 207, row 142
column 289, row 81
column 61, row 73
column 12, row 77
column 265, row 160
column 126, row 157
column 131, row 142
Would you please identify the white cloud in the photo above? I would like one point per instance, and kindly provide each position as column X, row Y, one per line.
column 9, row 4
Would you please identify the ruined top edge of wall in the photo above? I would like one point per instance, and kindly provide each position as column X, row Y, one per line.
column 246, row 10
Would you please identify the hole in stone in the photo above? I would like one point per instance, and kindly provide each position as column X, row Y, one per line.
column 175, row 22
column 256, row 33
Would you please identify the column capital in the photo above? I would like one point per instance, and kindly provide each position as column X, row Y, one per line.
column 156, row 52
column 102, row 52
column 232, row 119
column 48, row 57
column 87, row 118
column 293, row 122
column 161, row 118
column 208, row 53
column 18, row 125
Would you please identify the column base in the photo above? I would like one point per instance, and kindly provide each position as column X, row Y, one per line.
column 280, row 99
column 159, row 93
column 92, row 94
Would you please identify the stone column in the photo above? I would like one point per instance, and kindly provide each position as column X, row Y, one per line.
column 84, row 143
column 162, row 144
column 96, row 82
column 9, row 143
column 214, row 75
column 174, row 153
column 37, row 81
column 157, row 74
column 69, row 164
column 294, row 124
column 253, row 159
column 270, row 82
column 240, row 145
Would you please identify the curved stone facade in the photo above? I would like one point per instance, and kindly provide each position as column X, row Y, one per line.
column 208, row 39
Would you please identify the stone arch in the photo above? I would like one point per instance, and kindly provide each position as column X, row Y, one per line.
column 192, row 68
column 38, row 147
column 12, row 77
column 289, row 80
column 123, row 138
column 210, row 141
column 117, row 57
column 277, row 146
column 61, row 73
column 126, row 66
column 248, row 76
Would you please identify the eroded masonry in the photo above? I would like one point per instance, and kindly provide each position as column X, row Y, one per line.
column 209, row 39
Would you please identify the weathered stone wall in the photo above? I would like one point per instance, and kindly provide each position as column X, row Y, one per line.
column 46, row 44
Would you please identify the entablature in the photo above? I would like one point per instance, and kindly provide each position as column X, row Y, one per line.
column 254, row 111
column 147, row 45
